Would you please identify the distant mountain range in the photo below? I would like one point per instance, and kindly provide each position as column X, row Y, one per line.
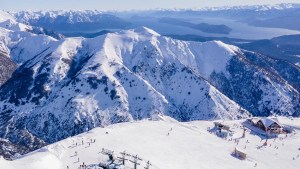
column 70, row 21
column 213, row 22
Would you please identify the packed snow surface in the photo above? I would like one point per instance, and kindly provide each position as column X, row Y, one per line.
column 169, row 144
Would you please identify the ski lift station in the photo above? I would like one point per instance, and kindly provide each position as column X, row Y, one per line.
column 222, row 130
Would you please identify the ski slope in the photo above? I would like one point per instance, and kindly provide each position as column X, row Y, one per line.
column 187, row 146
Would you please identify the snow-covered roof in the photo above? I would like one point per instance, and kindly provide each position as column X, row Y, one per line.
column 267, row 122
column 255, row 120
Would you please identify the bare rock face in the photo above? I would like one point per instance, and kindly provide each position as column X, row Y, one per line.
column 7, row 67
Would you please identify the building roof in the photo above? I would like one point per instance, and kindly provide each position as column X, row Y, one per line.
column 255, row 120
column 267, row 122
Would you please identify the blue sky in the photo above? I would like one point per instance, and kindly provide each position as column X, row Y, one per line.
column 125, row 4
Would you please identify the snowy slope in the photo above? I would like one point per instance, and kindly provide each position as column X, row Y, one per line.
column 167, row 144
column 23, row 45
column 4, row 16
column 8, row 21
column 15, row 26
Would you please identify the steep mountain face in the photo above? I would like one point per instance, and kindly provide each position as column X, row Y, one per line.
column 260, row 84
column 7, row 66
column 273, row 84
column 20, row 46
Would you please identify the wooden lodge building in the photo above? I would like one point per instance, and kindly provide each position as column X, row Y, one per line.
column 269, row 125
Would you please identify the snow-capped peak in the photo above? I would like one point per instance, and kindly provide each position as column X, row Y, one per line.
column 7, row 21
column 15, row 26
column 282, row 6
column 5, row 16
column 145, row 31
column 231, row 49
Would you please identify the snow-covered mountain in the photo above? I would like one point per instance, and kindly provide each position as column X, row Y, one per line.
column 68, row 21
column 258, row 8
column 240, row 22
column 82, row 83
column 74, row 84
column 7, row 66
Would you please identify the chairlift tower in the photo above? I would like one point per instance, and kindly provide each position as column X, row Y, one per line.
column 135, row 161
column 123, row 158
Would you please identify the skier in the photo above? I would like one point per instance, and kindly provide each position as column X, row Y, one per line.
column 266, row 143
column 244, row 133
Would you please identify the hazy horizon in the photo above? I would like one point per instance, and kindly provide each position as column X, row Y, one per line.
column 121, row 5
